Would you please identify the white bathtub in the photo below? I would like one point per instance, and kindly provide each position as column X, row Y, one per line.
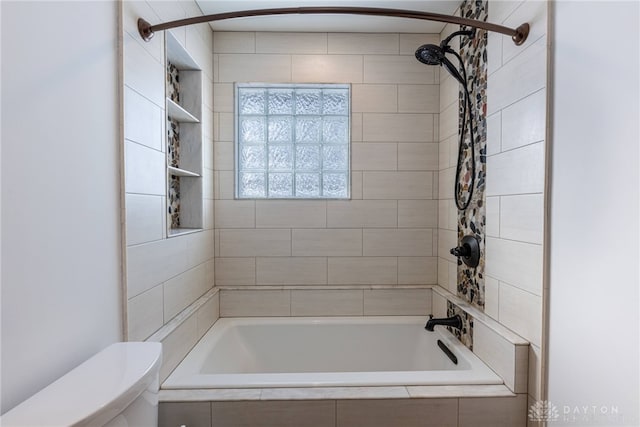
column 326, row 352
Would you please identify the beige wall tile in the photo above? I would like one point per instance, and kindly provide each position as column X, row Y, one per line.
column 291, row 213
column 447, row 239
column 207, row 315
column 521, row 312
column 491, row 296
column 370, row 98
column 522, row 218
column 493, row 411
column 152, row 263
column 448, row 123
column 362, row 213
column 145, row 218
column 144, row 314
column 363, row 271
column 144, row 170
column 234, row 42
column 306, row 43
column 326, row 303
column 417, row 213
column 142, row 72
column 419, row 99
column 518, row 171
column 524, row 122
column 380, row 156
column 410, row 42
column 356, row 185
column 397, row 412
column 443, row 272
column 530, row 65
column 345, row 242
column 223, row 158
column 519, row 264
column 143, row 120
column 183, row 289
column 397, row 185
column 494, row 133
column 397, row 70
column 235, row 271
column 223, row 98
column 397, row 302
column 241, row 303
column 417, row 270
column 439, row 305
column 356, row 127
column 397, row 242
column 449, row 91
column 363, row 43
column 418, row 157
column 235, row 214
column 492, row 212
column 260, row 242
column 403, row 127
column 171, row 414
column 326, row 68
column 225, row 127
column 300, row 413
column 291, row 271
column 534, row 13
column 254, row 68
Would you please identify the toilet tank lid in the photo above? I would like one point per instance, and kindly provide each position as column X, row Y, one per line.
column 94, row 392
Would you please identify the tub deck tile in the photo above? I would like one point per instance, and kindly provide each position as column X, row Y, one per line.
column 202, row 395
column 309, row 393
column 433, row 391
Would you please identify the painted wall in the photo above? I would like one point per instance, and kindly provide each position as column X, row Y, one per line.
column 386, row 234
column 60, row 190
column 594, row 305
column 164, row 275
column 516, row 120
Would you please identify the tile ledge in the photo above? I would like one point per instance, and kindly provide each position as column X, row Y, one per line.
column 319, row 287
column 479, row 316
column 335, row 393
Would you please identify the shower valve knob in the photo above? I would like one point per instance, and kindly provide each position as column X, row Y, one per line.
column 468, row 251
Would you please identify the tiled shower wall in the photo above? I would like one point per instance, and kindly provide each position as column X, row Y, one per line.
column 515, row 188
column 163, row 276
column 385, row 235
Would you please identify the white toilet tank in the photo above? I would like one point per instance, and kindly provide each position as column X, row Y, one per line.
column 116, row 387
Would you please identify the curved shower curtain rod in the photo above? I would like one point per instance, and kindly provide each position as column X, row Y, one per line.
column 518, row 35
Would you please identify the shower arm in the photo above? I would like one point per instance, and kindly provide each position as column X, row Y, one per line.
column 518, row 35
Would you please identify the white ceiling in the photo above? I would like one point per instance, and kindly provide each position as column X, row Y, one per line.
column 328, row 23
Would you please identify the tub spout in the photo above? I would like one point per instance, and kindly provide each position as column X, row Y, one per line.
column 454, row 322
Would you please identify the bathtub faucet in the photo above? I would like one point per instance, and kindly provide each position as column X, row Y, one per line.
column 454, row 322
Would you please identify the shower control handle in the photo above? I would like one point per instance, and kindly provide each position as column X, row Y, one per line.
column 468, row 251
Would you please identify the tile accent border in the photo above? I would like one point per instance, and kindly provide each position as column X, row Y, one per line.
column 464, row 334
column 472, row 221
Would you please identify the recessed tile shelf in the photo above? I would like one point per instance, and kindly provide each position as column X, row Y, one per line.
column 181, row 172
column 179, row 114
column 173, row 232
column 184, row 140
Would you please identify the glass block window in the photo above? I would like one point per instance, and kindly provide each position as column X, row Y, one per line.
column 292, row 141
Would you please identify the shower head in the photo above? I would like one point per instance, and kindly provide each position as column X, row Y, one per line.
column 431, row 54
